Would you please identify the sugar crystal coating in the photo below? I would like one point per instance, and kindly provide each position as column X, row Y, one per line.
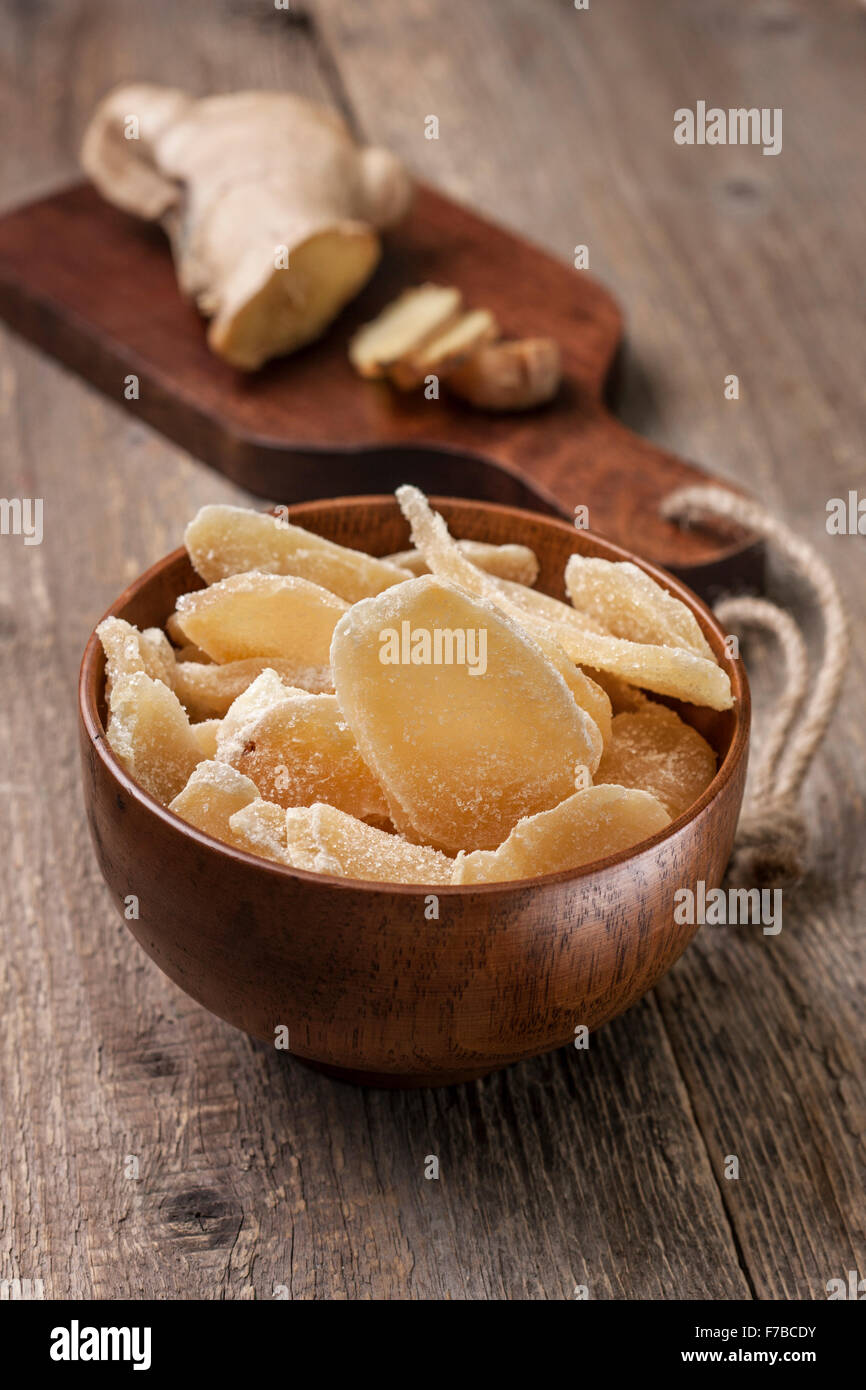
column 298, row 749
column 665, row 670
column 327, row 841
column 628, row 603
column 211, row 797
column 588, row 825
column 516, row 563
column 150, row 733
column 653, row 748
column 223, row 540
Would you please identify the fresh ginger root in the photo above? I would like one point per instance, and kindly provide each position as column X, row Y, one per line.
column 426, row 331
column 509, row 375
column 272, row 210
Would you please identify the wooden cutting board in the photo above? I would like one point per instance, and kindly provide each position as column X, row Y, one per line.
column 96, row 290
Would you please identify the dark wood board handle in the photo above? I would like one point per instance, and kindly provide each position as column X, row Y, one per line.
column 97, row 290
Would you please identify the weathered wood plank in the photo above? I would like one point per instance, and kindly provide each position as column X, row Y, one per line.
column 602, row 1168
column 727, row 261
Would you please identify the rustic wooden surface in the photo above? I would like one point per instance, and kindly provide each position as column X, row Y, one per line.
column 305, row 427
column 606, row 1167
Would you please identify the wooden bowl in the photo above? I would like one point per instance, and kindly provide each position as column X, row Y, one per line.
column 372, row 987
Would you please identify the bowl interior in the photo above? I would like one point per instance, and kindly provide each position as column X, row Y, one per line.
column 376, row 525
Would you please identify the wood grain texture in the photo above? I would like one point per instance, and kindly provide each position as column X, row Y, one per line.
column 602, row 1168
column 305, row 426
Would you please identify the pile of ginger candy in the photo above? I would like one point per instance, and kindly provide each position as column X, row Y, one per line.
column 428, row 718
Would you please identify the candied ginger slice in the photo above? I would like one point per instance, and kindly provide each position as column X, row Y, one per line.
column 511, row 562
column 150, row 733
column 222, row 541
column 624, row 698
column 127, row 651
column 211, row 797
column 205, row 734
column 298, row 749
column 628, row 603
column 665, row 670
column 455, row 709
column 588, row 825
column 329, row 841
column 271, row 615
column 260, row 828
column 654, row 749
column 208, row 691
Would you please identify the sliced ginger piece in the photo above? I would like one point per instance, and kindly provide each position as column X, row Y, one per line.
column 175, row 632
column 442, row 353
column 270, row 615
column 222, row 541
column 209, row 690
column 665, row 670
column 656, row 750
column 206, row 736
column 150, row 733
column 266, row 310
column 627, row 603
column 127, row 651
column 260, row 828
column 403, row 327
column 193, row 656
column 298, row 749
column 509, row 375
column 540, row 605
column 513, row 562
column 624, row 698
column 589, row 825
column 211, row 797
column 325, row 840
column 462, row 748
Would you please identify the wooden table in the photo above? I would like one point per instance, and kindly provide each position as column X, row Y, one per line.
column 604, row 1168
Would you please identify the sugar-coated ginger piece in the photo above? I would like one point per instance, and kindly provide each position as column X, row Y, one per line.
column 208, row 691
column 211, row 797
column 665, row 670
column 127, row 651
column 298, row 749
column 587, row 826
column 627, row 603
column 536, row 604
column 403, row 327
column 513, row 562
column 206, row 733
column 463, row 721
column 654, row 749
column 175, row 632
column 270, row 615
column 260, row 828
column 150, row 733
column 222, row 541
column 624, row 698
column 590, row 696
column 325, row 840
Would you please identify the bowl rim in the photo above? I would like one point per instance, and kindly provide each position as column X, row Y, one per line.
column 88, row 696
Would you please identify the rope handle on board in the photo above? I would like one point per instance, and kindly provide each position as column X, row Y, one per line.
column 771, row 835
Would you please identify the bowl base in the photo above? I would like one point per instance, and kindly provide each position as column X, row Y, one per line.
column 394, row 1081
